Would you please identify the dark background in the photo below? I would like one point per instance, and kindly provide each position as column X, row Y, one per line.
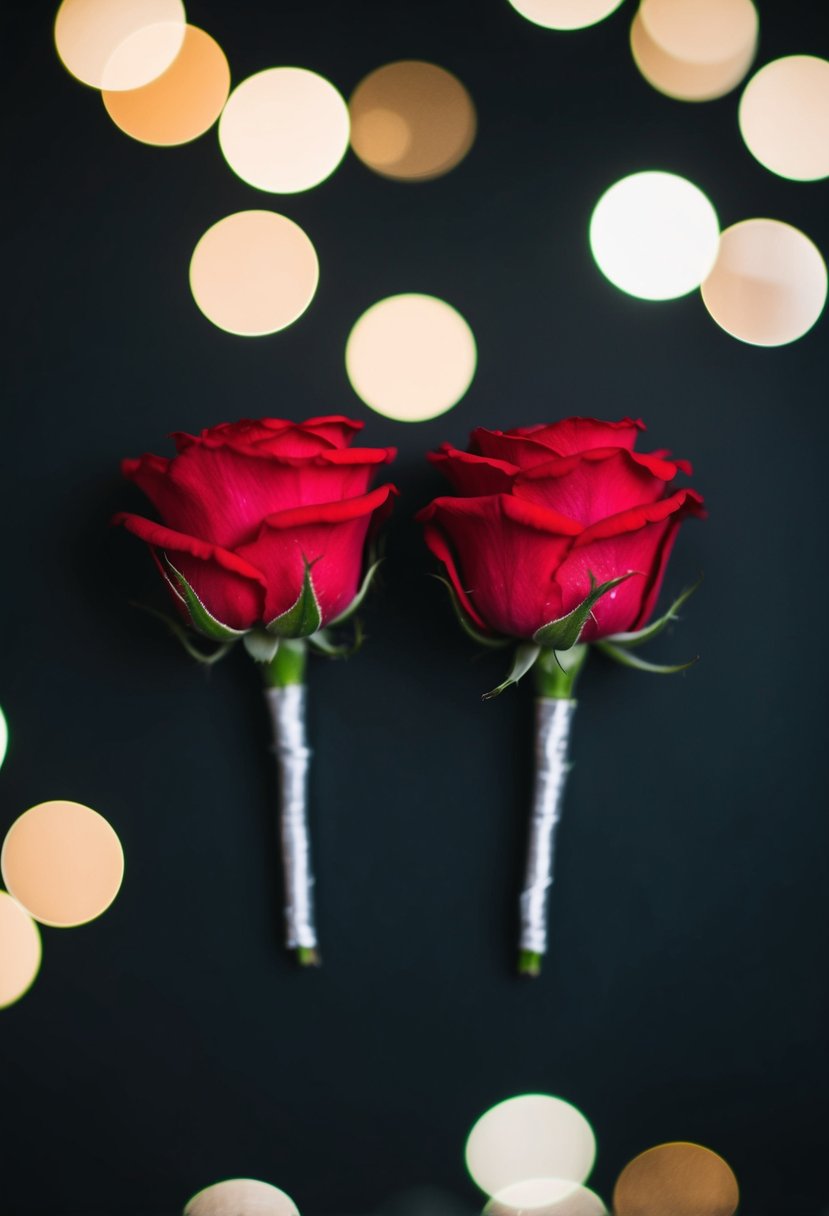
column 172, row 1043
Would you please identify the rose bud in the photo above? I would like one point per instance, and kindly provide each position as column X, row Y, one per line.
column 264, row 536
column 557, row 536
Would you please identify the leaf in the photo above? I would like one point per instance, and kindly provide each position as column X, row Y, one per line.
column 260, row 645
column 651, row 631
column 525, row 656
column 463, row 620
column 178, row 631
column 323, row 643
column 359, row 597
column 303, row 617
column 632, row 660
column 202, row 621
column 563, row 633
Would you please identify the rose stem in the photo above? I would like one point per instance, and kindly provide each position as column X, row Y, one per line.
column 285, row 695
column 555, row 678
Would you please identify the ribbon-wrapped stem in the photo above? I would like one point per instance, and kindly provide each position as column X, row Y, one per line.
column 554, row 709
column 285, row 694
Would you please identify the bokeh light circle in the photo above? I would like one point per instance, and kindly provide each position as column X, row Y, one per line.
column 4, row 737
column 119, row 44
column 254, row 273
column 63, row 862
column 284, row 130
column 784, row 117
column 411, row 357
column 532, row 1136
column 654, row 235
column 768, row 284
column 411, row 120
column 701, row 31
column 241, row 1197
column 180, row 104
column 20, row 950
column 545, row 1197
column 678, row 1179
column 565, row 14
column 687, row 79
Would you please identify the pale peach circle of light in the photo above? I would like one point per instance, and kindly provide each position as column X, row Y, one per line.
column 565, row 14
column 784, row 117
column 63, row 862
column 701, row 31
column 245, row 1196
column 20, row 950
column 411, row 357
column 180, row 104
column 654, row 235
column 545, row 1197
column 678, row 1179
column 284, row 130
column 683, row 79
column 411, row 120
column 532, row 1136
column 119, row 44
column 254, row 273
column 768, row 285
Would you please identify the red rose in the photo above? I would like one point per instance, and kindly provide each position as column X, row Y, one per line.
column 541, row 511
column 252, row 511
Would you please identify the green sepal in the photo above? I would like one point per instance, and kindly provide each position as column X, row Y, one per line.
column 303, row 617
column 202, row 621
column 655, row 627
column 322, row 642
column 463, row 620
column 525, row 656
column 178, row 631
column 359, row 597
column 260, row 645
column 563, row 633
column 556, row 675
column 632, row 660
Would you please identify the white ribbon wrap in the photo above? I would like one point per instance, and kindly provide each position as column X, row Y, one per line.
column 553, row 720
column 293, row 757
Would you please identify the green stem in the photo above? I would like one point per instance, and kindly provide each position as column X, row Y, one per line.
column 288, row 664
column 307, row 956
column 556, row 672
column 529, row 963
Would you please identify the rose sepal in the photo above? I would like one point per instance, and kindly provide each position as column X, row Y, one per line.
column 180, row 632
column 323, row 644
column 526, row 655
column 261, row 645
column 495, row 643
column 202, row 620
column 304, row 617
column 565, row 631
column 637, row 637
column 360, row 596
column 626, row 659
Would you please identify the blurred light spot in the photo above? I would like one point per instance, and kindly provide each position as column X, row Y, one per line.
column 63, row 862
column 241, row 1197
column 4, row 737
column 676, row 1180
column 20, row 950
column 686, row 79
column 284, row 130
column 533, row 1136
column 654, row 235
column 784, row 117
column 411, row 120
column 545, row 1197
column 565, row 14
column 119, row 44
column 768, row 285
column 183, row 102
column 254, row 273
column 411, row 357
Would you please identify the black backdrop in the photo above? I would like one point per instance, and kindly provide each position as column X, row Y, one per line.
column 171, row 1043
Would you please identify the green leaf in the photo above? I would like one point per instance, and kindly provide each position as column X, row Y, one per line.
column 359, row 597
column 563, row 633
column 324, row 644
column 260, row 645
column 202, row 621
column 655, row 627
column 466, row 625
column 632, row 660
column 303, row 617
column 178, row 631
column 525, row 655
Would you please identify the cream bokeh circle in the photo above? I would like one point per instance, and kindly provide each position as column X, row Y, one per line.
column 4, row 737
column 411, row 357
column 241, row 1197
column 684, row 79
column 119, row 44
column 284, row 130
column 678, row 1179
column 565, row 14
column 654, row 235
column 180, row 104
column 784, row 117
column 411, row 120
column 701, row 31
column 254, row 273
column 20, row 950
column 768, row 284
column 545, row 1197
column 63, row 862
column 533, row 1136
